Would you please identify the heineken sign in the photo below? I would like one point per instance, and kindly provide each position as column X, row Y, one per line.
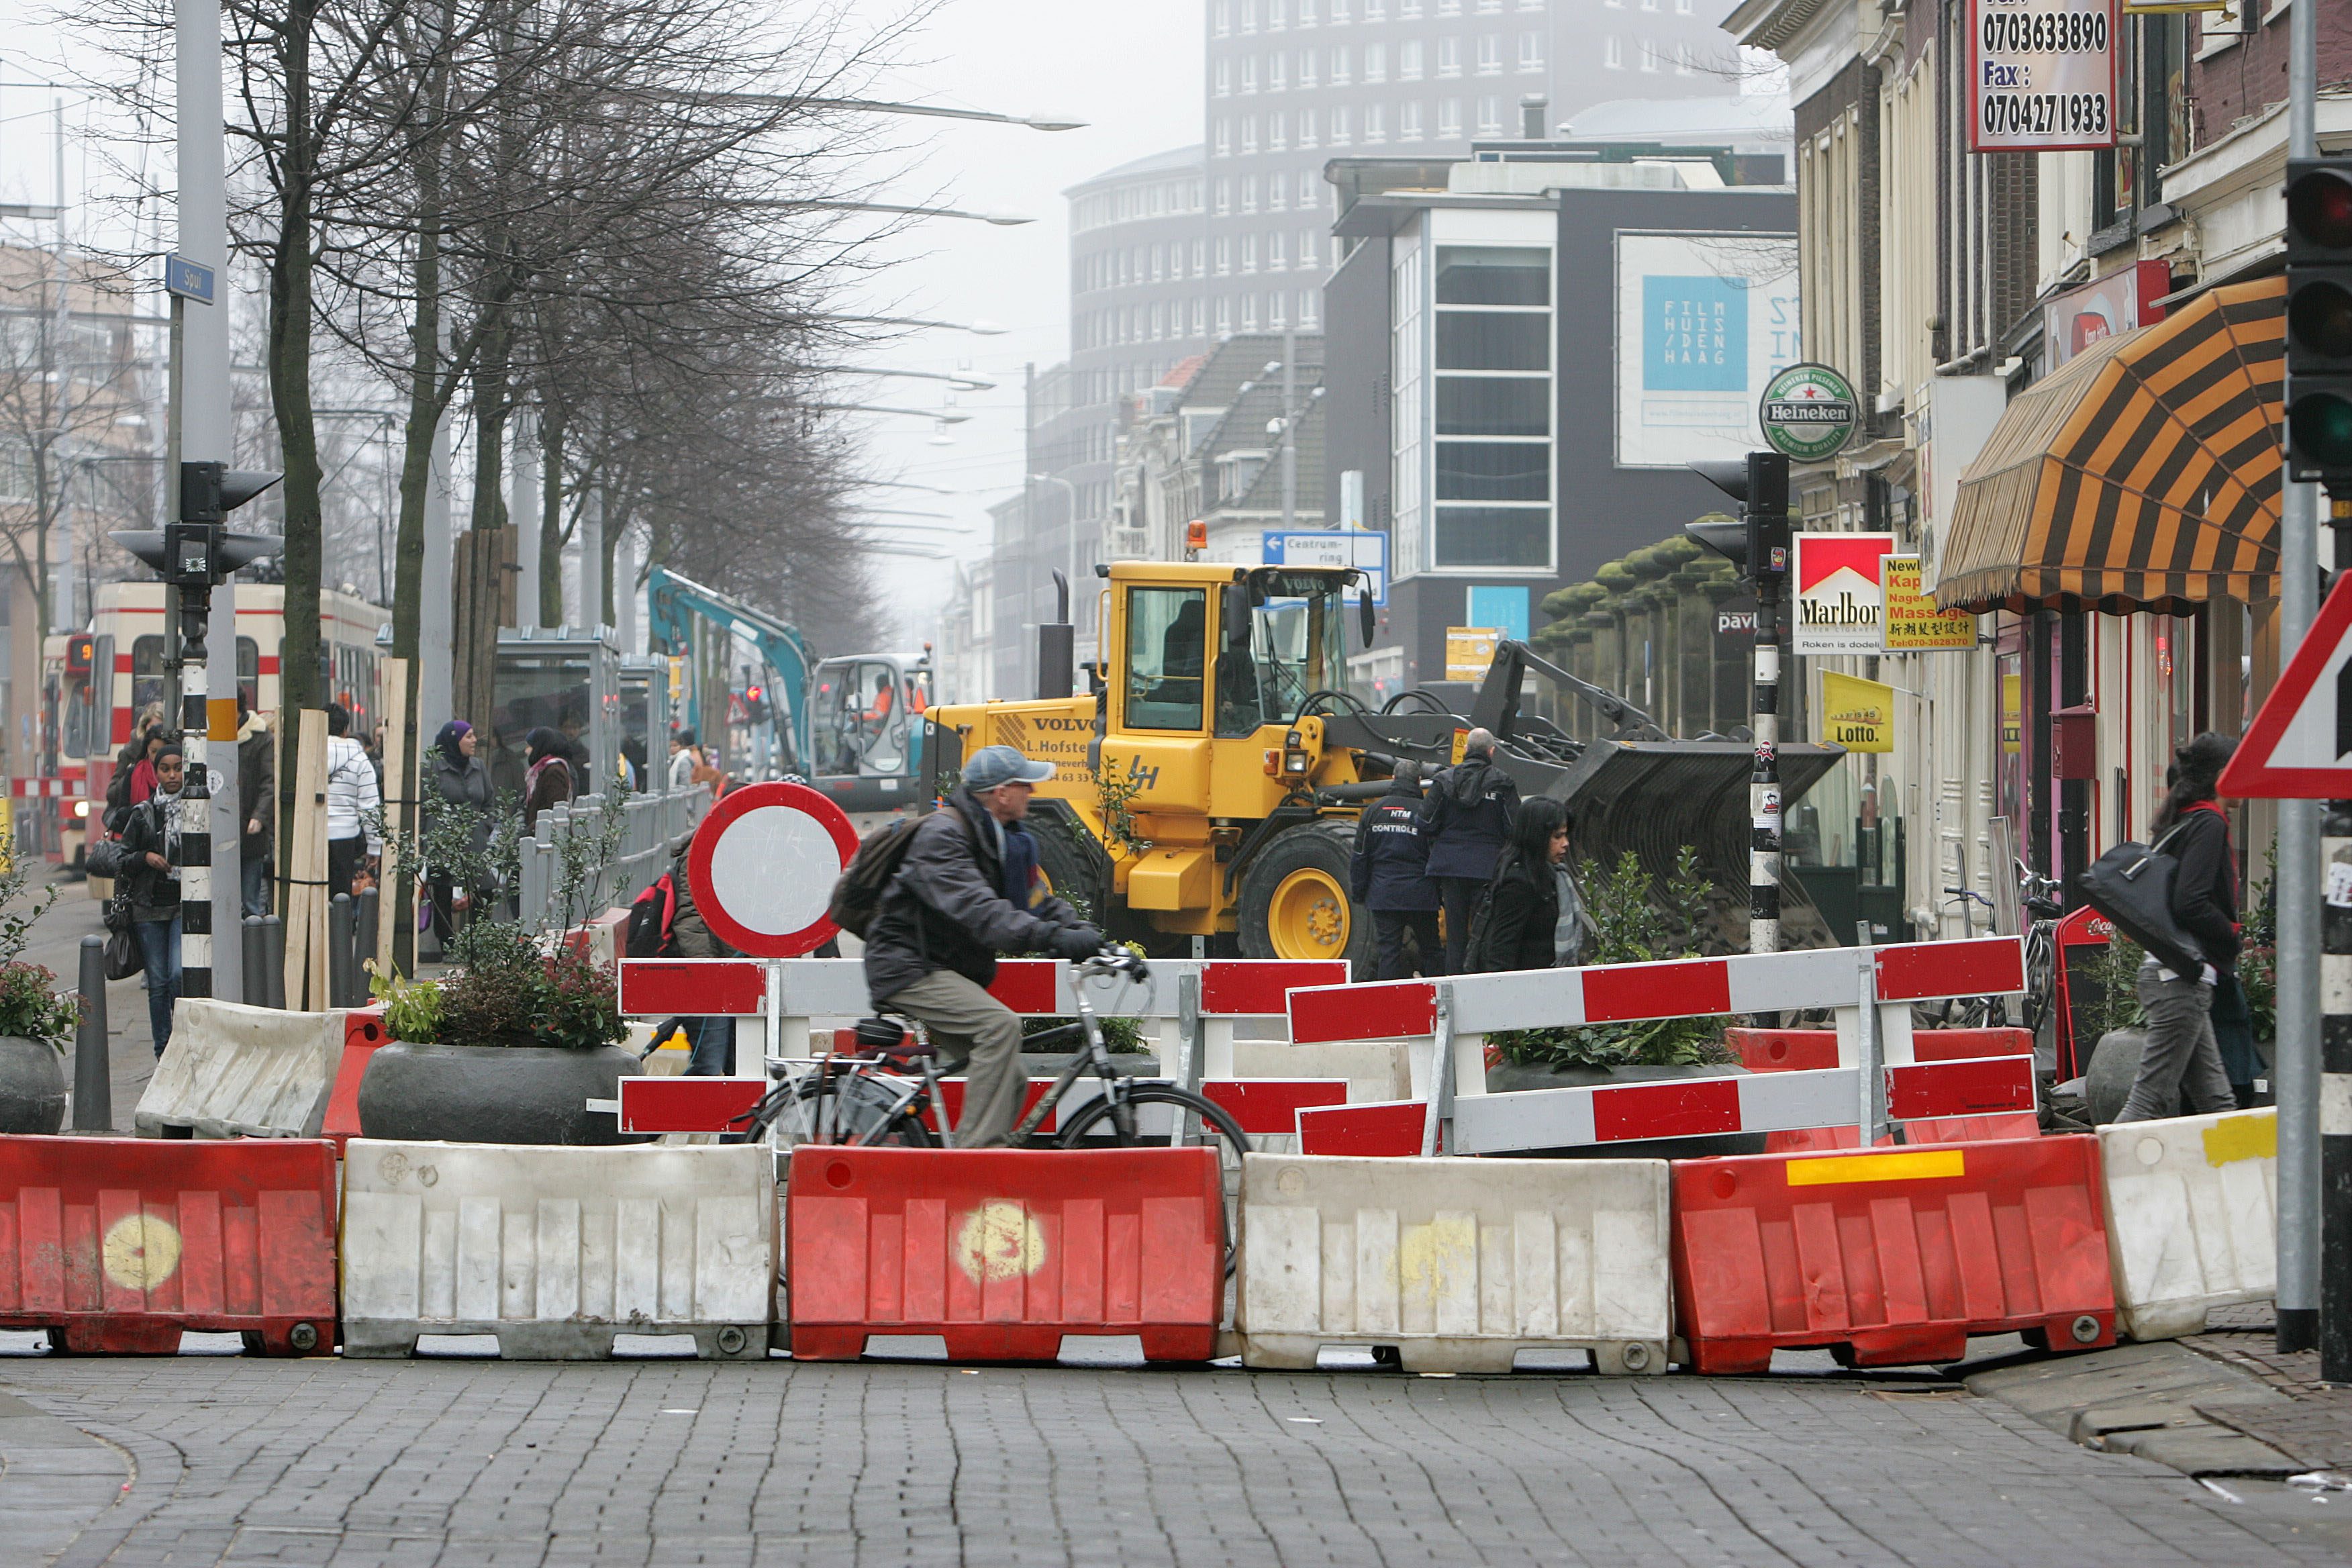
column 1808, row 412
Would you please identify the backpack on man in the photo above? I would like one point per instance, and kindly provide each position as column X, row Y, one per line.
column 858, row 895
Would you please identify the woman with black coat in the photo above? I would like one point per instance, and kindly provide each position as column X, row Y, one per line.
column 461, row 778
column 1518, row 921
column 2180, row 1071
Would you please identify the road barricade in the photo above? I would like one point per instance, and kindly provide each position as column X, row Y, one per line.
column 234, row 1071
column 556, row 1250
column 1799, row 1051
column 1446, row 1022
column 1892, row 1257
column 1191, row 1006
column 2192, row 1217
column 1456, row 1266
column 118, row 1245
column 364, row 1031
column 1002, row 1252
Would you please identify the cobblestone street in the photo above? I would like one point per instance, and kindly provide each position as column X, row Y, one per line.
column 231, row 1459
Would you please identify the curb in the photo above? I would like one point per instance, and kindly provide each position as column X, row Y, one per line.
column 2162, row 1402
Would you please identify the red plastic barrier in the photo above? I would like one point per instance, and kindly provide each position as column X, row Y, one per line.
column 1809, row 1050
column 1947, row 1129
column 117, row 1245
column 364, row 1031
column 1002, row 1251
column 1381, row 1129
column 1270, row 1106
column 1893, row 1256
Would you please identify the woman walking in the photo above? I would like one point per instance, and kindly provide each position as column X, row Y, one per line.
column 547, row 780
column 2180, row 1061
column 1530, row 916
column 459, row 774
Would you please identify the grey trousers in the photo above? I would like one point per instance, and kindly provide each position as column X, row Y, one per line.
column 968, row 1024
column 2181, row 1059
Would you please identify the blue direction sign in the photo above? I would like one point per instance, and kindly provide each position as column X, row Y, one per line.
column 188, row 280
column 1368, row 552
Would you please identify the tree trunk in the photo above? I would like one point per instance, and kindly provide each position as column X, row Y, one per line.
column 551, row 517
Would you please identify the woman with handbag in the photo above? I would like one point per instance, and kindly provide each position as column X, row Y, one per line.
column 2181, row 1060
column 1529, row 915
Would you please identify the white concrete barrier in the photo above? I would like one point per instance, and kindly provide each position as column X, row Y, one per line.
column 1455, row 1265
column 2192, row 1217
column 556, row 1250
column 232, row 1071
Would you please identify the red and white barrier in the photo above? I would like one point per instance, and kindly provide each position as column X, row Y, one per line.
column 1870, row 988
column 39, row 789
column 1191, row 1004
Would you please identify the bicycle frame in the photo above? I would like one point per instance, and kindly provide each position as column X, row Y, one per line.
column 1095, row 1058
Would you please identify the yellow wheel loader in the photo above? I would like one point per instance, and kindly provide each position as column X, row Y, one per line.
column 1209, row 787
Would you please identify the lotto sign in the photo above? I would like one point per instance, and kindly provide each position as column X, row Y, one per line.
column 764, row 862
column 1840, row 597
column 1913, row 623
column 2044, row 75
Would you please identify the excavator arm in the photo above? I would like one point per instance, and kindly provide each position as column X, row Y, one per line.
column 671, row 598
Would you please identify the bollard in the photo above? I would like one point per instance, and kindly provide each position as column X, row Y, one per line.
column 339, row 952
column 256, row 959
column 273, row 959
column 93, row 1098
column 369, row 910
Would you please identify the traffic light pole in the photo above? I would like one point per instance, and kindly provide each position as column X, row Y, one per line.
column 194, row 806
column 1764, row 778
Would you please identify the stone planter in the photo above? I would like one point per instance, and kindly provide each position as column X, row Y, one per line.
column 31, row 1086
column 1507, row 1080
column 2107, row 1082
column 493, row 1094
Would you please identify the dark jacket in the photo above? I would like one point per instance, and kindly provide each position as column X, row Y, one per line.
column 553, row 786
column 691, row 935
column 155, row 895
column 956, row 903
column 1516, row 919
column 466, row 783
column 2205, row 886
column 257, row 793
column 1391, row 866
column 1467, row 818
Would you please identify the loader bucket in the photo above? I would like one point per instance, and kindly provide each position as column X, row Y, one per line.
column 1654, row 796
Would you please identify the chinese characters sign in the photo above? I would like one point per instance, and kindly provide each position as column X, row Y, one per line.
column 2043, row 73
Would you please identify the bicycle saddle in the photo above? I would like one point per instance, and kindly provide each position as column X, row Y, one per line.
column 891, row 1040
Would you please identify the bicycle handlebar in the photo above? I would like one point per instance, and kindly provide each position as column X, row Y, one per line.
column 1114, row 961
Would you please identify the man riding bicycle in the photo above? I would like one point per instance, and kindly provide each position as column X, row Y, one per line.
column 967, row 890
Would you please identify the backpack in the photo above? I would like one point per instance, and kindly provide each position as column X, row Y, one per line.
column 652, row 914
column 857, row 895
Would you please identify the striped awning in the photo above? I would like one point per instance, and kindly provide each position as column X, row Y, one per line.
column 2143, row 474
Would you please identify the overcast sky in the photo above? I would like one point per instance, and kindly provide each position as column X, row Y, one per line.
column 1132, row 70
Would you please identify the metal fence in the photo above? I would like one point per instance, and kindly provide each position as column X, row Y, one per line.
column 648, row 824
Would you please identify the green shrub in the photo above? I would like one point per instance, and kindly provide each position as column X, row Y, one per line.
column 31, row 1008
column 505, row 992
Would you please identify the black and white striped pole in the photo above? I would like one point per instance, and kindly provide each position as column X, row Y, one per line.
column 2335, row 1270
column 193, row 554
column 1758, row 546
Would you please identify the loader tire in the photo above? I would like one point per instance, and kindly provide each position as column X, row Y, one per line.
column 1072, row 860
column 1295, row 902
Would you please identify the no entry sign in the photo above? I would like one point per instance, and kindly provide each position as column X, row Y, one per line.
column 763, row 864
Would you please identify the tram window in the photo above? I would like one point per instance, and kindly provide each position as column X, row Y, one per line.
column 248, row 671
column 146, row 674
column 78, row 733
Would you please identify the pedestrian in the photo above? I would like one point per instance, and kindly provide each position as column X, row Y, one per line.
column 713, row 1054
column 1464, row 822
column 684, row 758
column 2180, row 1071
column 126, row 790
column 967, row 890
column 1389, row 876
column 256, row 800
column 150, row 859
column 463, row 781
column 354, row 806
column 546, row 777
column 1530, row 915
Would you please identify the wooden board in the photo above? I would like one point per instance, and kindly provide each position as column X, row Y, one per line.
column 306, row 890
column 396, row 907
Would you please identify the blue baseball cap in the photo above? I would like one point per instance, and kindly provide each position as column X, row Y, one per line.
column 993, row 765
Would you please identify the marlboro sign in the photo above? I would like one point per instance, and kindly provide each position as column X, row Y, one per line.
column 1840, row 593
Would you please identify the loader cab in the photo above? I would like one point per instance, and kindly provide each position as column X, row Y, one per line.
column 1224, row 651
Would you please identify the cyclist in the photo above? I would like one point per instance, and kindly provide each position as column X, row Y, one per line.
column 967, row 890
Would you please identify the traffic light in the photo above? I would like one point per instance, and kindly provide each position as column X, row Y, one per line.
column 755, row 705
column 2319, row 322
column 197, row 551
column 1758, row 542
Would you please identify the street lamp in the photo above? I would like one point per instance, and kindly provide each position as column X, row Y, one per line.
column 981, row 329
column 1002, row 220
column 944, row 416
column 873, row 106
column 960, row 382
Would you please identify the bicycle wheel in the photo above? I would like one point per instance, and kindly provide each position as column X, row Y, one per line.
column 1218, row 1129
column 859, row 1109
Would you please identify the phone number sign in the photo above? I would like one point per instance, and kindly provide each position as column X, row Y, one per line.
column 2043, row 73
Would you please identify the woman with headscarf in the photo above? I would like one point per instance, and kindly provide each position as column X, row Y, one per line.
column 547, row 775
column 464, row 781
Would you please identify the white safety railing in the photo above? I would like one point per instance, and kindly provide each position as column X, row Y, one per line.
column 648, row 825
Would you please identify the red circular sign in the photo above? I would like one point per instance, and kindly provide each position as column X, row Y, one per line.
column 763, row 863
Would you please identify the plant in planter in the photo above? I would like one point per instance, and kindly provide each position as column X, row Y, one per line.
column 517, row 1039
column 35, row 1018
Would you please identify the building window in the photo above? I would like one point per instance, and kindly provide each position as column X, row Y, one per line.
column 1449, row 119
column 1682, row 7
column 1682, row 58
column 1649, row 53
column 1612, row 53
column 1276, row 252
column 1307, row 128
column 1449, row 8
column 1376, row 122
column 1278, row 69
column 1307, row 62
column 1339, row 65
column 1249, row 312
column 1277, row 130
column 1409, row 10
column 1490, row 116
column 1221, row 17
column 1197, row 324
column 1449, row 56
column 1407, row 444
column 1531, row 51
column 1306, row 189
column 1409, row 61
column 1490, row 54
column 1198, row 247
column 1310, row 308
column 1224, row 138
column 1376, row 10
column 1339, row 133
column 1222, row 76
column 1224, row 318
column 1158, row 322
column 1249, row 253
column 1491, row 487
column 1158, row 262
column 1376, row 62
column 1277, row 14
column 1277, row 193
column 1224, row 256
column 1408, row 120
column 1339, row 9
column 1249, row 193
column 1307, row 246
column 1249, row 133
column 1225, row 196
column 1249, row 16
column 1277, row 311
column 1249, row 73
column 1305, row 12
